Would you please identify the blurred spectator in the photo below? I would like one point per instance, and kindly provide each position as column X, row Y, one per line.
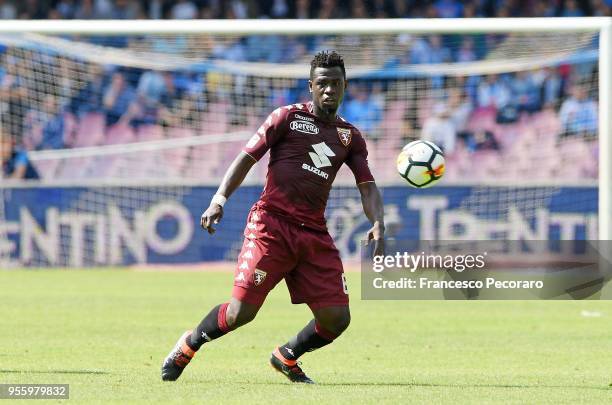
column 543, row 9
column 578, row 114
column 118, row 96
column 66, row 8
column 419, row 51
column 44, row 126
column 235, row 51
column 32, row 9
column 89, row 98
column 154, row 95
column 103, row 8
column 85, row 11
column 430, row 50
column 362, row 110
column 242, row 9
column 382, row 9
column 15, row 163
column 55, row 125
column 171, row 44
column 400, row 8
column 459, row 109
column 493, row 92
column 601, row 9
column 294, row 49
column 526, row 92
column 571, row 9
column 480, row 139
column 466, row 51
column 549, row 80
column 275, row 8
column 279, row 92
column 406, row 128
column 470, row 10
column 329, row 9
column 184, row 10
column 449, row 8
column 358, row 9
column 151, row 88
column 438, row 53
column 266, row 48
column 8, row 11
column 125, row 10
column 431, row 12
column 469, row 85
column 14, row 97
column 302, row 9
column 439, row 129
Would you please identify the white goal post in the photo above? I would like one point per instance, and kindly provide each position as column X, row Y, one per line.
column 597, row 27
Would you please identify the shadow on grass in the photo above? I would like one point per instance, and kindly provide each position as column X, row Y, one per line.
column 2, row 371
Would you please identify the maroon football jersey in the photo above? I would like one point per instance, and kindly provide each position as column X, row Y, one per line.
column 305, row 155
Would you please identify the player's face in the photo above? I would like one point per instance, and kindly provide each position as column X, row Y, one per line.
column 327, row 87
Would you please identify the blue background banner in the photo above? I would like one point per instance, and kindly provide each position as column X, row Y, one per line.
column 102, row 226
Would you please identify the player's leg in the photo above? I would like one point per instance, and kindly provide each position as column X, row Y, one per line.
column 327, row 325
column 219, row 321
column 262, row 263
column 318, row 281
column 222, row 319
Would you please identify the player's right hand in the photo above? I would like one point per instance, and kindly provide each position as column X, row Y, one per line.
column 212, row 215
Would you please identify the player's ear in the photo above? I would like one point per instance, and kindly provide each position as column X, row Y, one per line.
column 310, row 86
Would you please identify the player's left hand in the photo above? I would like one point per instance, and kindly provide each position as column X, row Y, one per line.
column 212, row 215
column 377, row 234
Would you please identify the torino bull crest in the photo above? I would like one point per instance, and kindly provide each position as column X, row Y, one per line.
column 345, row 135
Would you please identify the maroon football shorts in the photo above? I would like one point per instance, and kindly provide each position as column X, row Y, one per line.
column 274, row 249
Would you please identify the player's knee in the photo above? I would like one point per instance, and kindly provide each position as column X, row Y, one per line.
column 342, row 322
column 240, row 313
column 337, row 323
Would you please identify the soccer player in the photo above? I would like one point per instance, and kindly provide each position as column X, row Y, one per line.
column 286, row 236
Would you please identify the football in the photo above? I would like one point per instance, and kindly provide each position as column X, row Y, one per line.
column 421, row 164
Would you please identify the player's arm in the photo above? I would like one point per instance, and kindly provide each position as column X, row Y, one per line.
column 231, row 181
column 370, row 195
column 374, row 209
column 267, row 135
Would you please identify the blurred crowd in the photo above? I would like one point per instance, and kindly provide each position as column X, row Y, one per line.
column 190, row 9
column 44, row 111
column 508, row 98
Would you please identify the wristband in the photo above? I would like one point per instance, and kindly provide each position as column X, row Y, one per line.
column 219, row 200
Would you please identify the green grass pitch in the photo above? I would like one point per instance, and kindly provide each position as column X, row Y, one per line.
column 106, row 332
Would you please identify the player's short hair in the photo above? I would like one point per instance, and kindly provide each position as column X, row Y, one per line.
column 327, row 59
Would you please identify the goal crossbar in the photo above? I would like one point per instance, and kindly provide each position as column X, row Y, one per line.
column 299, row 27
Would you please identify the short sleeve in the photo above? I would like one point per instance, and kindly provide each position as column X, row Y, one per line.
column 358, row 160
column 21, row 159
column 269, row 133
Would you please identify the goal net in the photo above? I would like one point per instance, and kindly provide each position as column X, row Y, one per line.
column 131, row 134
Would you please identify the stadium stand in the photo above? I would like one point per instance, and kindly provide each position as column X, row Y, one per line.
column 489, row 116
